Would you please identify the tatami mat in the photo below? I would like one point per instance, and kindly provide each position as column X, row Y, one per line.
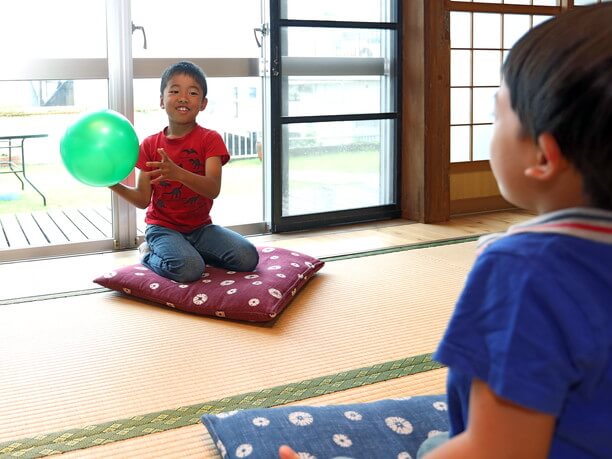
column 73, row 361
column 194, row 441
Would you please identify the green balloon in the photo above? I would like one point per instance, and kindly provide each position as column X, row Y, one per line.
column 100, row 148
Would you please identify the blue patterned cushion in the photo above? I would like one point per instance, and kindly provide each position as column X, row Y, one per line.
column 393, row 428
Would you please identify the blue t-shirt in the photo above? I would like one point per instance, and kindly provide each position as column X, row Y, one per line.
column 534, row 322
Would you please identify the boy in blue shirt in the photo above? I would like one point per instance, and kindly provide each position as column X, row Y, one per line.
column 529, row 345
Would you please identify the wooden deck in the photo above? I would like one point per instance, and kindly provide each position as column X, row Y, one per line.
column 56, row 226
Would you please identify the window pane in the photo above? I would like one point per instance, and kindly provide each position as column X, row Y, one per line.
column 338, row 10
column 324, row 42
column 332, row 96
column 461, row 105
column 461, row 68
column 460, row 143
column 487, row 30
column 48, row 107
column 335, row 71
column 515, row 26
column 540, row 19
column 45, row 30
column 482, row 142
column 460, row 30
column 487, row 65
column 222, row 29
column 483, row 104
column 336, row 166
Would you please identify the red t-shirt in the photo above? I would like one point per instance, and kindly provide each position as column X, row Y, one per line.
column 174, row 205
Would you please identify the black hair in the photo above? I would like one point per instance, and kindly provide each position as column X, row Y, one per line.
column 560, row 79
column 184, row 68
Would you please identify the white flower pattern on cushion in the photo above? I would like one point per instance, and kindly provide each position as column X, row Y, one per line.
column 221, row 448
column 154, row 286
column 244, row 450
column 226, row 414
column 261, row 421
column 254, row 302
column 399, row 425
column 300, row 418
column 228, row 282
column 275, row 293
column 200, row 299
column 353, row 416
column 342, row 440
column 440, row 406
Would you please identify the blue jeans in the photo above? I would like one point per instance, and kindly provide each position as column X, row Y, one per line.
column 183, row 257
column 431, row 443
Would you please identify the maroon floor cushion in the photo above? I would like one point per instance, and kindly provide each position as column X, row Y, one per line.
column 255, row 296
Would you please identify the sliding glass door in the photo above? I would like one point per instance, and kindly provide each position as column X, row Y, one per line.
column 54, row 68
column 333, row 71
column 110, row 54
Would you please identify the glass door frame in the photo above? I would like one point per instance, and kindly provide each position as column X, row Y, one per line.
column 280, row 67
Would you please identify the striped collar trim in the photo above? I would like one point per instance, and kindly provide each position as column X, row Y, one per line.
column 582, row 222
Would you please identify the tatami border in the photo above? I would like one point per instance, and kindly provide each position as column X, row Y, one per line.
column 136, row 426
column 365, row 253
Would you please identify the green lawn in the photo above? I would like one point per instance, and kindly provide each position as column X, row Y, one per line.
column 240, row 176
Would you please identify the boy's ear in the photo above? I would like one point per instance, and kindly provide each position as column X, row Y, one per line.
column 161, row 101
column 549, row 159
column 204, row 104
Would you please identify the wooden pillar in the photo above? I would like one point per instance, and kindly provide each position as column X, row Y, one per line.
column 425, row 156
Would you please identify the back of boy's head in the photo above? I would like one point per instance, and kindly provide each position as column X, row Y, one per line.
column 185, row 68
column 560, row 80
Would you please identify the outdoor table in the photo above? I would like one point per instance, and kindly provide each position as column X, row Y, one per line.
column 16, row 142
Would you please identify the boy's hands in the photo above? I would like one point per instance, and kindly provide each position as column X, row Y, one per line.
column 165, row 169
column 285, row 452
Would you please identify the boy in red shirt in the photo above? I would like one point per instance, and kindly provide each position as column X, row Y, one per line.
column 179, row 176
